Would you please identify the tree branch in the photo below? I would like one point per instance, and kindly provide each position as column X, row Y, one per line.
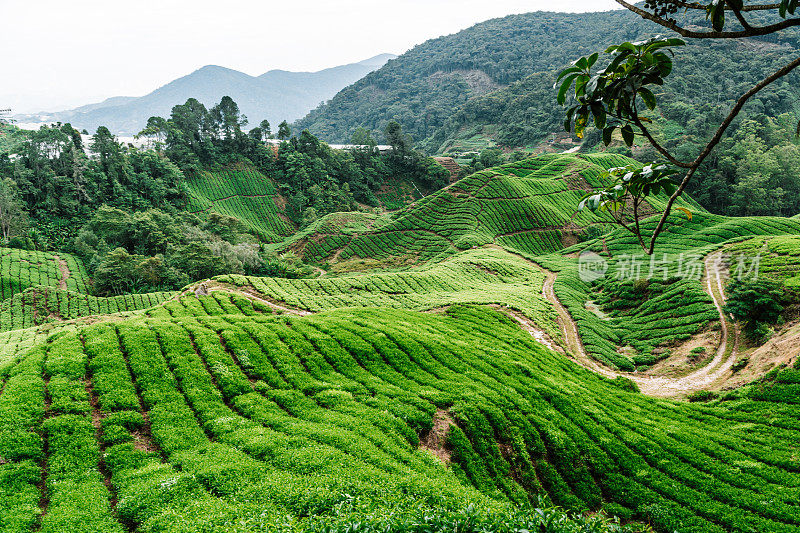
column 715, row 140
column 743, row 21
column 755, row 7
column 658, row 146
column 669, row 24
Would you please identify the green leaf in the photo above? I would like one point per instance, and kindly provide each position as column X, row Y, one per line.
column 599, row 113
column 718, row 15
column 608, row 134
column 627, row 135
column 567, row 83
column 664, row 63
column 648, row 97
column 565, row 72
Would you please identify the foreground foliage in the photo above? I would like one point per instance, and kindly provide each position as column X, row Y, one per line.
column 202, row 418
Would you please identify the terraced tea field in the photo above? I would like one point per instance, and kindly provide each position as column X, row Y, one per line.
column 420, row 398
column 528, row 207
column 244, row 194
column 779, row 257
column 669, row 310
column 39, row 288
column 482, row 276
column 243, row 423
column 22, row 269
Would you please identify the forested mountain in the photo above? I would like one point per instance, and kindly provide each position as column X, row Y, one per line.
column 493, row 83
column 275, row 95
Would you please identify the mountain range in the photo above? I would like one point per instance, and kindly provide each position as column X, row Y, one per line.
column 275, row 95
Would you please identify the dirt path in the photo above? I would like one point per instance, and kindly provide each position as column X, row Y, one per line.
column 64, row 270
column 569, row 329
column 724, row 358
column 536, row 332
column 252, row 294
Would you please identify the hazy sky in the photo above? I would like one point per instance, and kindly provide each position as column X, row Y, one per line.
column 63, row 54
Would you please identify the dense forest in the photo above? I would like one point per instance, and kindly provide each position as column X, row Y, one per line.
column 124, row 209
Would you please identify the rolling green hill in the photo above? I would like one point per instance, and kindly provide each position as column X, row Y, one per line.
column 528, row 207
column 244, row 194
column 423, row 395
column 480, row 276
column 195, row 422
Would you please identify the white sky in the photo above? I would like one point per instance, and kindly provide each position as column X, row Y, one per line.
column 61, row 54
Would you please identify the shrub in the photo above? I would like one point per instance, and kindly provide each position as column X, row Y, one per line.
column 757, row 303
column 703, row 396
column 740, row 364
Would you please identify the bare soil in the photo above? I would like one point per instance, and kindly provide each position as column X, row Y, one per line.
column 434, row 440
column 65, row 273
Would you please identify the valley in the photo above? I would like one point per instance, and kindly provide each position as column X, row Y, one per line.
column 538, row 275
column 202, row 405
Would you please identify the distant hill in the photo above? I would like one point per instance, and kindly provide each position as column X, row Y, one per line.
column 495, row 80
column 275, row 95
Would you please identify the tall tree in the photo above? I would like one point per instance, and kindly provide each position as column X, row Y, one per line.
column 284, row 131
column 155, row 131
column 228, row 118
column 400, row 142
column 105, row 146
column 13, row 218
column 266, row 131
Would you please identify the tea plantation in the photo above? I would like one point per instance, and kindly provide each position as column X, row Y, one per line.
column 203, row 422
column 527, row 207
column 674, row 305
column 243, row 194
column 39, row 287
column 480, row 276
column 417, row 397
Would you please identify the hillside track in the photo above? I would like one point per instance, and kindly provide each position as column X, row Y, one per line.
column 664, row 387
column 63, row 268
column 252, row 294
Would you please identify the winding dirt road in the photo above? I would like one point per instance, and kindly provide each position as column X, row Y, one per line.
column 724, row 358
